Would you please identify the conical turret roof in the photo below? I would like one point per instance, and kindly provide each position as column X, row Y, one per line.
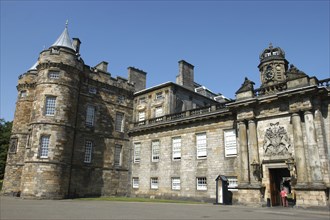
column 64, row 39
column 34, row 67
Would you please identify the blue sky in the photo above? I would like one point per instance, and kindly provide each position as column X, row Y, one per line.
column 222, row 39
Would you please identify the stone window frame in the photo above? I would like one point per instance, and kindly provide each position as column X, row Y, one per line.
column 118, row 155
column 135, row 182
column 13, row 145
column 176, row 149
column 201, row 145
column 176, row 183
column 159, row 96
column 137, row 153
column 159, row 111
column 90, row 116
column 88, row 151
column 154, row 183
column 142, row 100
column 201, row 183
column 155, row 153
column 120, row 98
column 141, row 116
column 53, row 74
column 119, row 122
column 50, row 105
column 44, row 146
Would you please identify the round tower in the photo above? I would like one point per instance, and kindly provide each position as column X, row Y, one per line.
column 273, row 66
column 47, row 162
column 20, row 132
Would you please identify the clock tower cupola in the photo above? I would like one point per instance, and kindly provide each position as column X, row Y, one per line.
column 273, row 66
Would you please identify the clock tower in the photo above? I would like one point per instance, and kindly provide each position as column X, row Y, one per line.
column 273, row 66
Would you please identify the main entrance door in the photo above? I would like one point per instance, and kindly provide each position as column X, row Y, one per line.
column 277, row 177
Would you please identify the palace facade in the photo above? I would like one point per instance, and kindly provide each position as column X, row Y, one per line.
column 79, row 132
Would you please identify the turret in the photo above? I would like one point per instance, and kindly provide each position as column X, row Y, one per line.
column 273, row 66
column 20, row 134
column 48, row 155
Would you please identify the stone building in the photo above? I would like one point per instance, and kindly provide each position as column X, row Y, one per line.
column 79, row 132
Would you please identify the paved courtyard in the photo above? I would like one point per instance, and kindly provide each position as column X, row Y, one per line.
column 16, row 208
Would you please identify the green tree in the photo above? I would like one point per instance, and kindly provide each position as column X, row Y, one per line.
column 5, row 132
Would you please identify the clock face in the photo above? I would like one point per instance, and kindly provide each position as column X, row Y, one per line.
column 269, row 74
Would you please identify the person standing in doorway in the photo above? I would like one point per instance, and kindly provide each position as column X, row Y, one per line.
column 283, row 195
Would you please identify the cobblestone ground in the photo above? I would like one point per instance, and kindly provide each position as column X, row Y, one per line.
column 16, row 208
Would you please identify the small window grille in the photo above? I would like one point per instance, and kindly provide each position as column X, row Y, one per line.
column 88, row 151
column 54, row 74
column 44, row 145
column 118, row 155
column 90, row 115
column 50, row 105
column 119, row 124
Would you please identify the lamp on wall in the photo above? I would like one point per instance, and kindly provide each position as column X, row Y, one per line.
column 256, row 170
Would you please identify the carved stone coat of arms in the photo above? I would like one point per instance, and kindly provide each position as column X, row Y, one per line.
column 276, row 141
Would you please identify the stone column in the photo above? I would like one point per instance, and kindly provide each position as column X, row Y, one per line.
column 299, row 150
column 313, row 152
column 253, row 149
column 244, row 158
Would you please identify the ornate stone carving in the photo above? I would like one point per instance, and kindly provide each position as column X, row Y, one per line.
column 276, row 141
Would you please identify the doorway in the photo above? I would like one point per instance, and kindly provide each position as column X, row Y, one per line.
column 278, row 177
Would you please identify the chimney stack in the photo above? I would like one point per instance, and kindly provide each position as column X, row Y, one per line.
column 76, row 44
column 186, row 75
column 137, row 77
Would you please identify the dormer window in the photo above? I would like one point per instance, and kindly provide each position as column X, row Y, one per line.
column 142, row 100
column 159, row 95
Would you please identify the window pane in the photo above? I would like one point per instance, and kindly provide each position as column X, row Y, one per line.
column 155, row 151
column 118, row 149
column 142, row 116
column 50, row 105
column 154, row 183
column 135, row 183
column 44, row 144
column 201, row 183
column 137, row 152
column 159, row 112
column 119, row 121
column 230, row 143
column 176, row 148
column 176, row 183
column 88, row 151
column 54, row 74
column 90, row 114
column 201, row 145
